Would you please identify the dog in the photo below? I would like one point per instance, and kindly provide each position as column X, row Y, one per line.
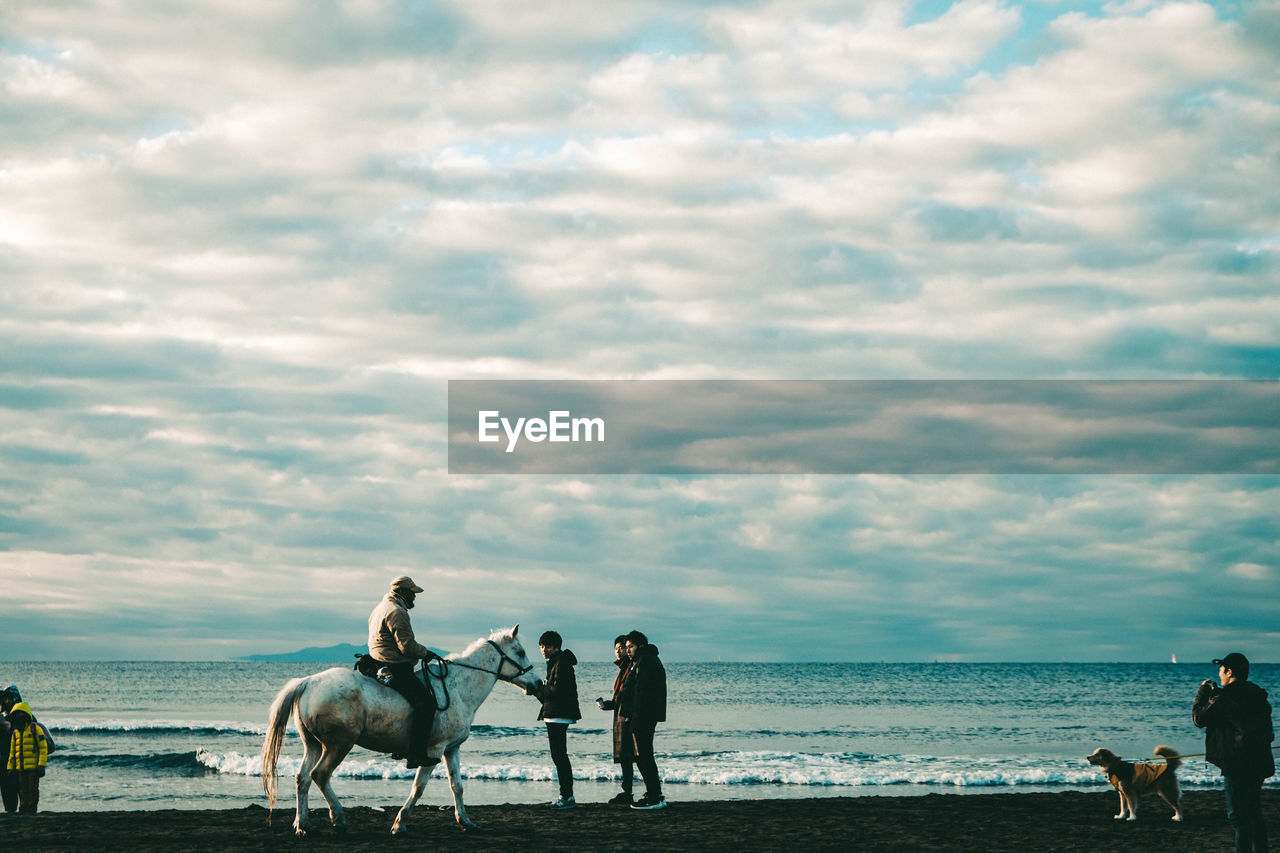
column 1130, row 780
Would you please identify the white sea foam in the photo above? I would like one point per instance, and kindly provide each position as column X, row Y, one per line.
column 755, row 768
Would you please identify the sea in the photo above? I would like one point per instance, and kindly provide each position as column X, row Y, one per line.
column 138, row 736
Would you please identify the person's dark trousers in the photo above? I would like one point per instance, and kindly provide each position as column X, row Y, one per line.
column 9, row 790
column 628, row 761
column 1244, row 812
column 642, row 737
column 404, row 682
column 28, row 791
column 558, row 735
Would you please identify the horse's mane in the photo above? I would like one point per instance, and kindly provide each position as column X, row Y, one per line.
column 497, row 635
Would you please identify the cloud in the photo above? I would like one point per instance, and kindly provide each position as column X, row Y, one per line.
column 242, row 247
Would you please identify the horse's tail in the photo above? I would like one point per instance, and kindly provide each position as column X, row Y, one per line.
column 277, row 719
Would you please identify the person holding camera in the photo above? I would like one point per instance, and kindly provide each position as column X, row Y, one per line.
column 624, row 749
column 1236, row 718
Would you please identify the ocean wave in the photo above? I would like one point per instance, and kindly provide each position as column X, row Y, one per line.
column 734, row 768
column 185, row 763
column 486, row 731
column 919, row 732
column 161, row 728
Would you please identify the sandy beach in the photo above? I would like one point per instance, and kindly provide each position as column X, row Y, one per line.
column 1066, row 822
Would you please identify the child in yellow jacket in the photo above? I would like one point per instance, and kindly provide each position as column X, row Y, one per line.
column 28, row 756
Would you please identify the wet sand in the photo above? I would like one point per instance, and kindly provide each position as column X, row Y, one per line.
column 991, row 823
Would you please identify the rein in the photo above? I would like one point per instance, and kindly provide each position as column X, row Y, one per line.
column 445, row 663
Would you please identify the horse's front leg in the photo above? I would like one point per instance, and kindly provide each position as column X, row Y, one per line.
column 453, row 767
column 419, row 785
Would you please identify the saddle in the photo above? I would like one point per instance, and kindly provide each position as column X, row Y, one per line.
column 366, row 665
column 369, row 666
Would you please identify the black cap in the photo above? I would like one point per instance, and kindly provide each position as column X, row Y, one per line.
column 1234, row 662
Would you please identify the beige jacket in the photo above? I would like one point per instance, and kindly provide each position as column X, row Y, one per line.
column 390, row 634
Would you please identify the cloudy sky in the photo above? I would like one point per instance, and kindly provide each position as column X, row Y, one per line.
column 244, row 247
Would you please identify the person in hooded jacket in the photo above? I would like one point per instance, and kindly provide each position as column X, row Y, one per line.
column 1236, row 718
column 624, row 748
column 559, row 695
column 644, row 705
column 28, row 756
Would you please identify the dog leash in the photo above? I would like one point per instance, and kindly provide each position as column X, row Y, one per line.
column 1169, row 757
column 1166, row 758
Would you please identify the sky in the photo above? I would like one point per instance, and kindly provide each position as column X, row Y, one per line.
column 244, row 247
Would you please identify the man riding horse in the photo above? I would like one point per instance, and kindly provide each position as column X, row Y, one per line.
column 339, row 709
column 392, row 644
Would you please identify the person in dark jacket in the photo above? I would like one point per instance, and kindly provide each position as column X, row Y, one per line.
column 8, row 781
column 559, row 695
column 624, row 749
column 1236, row 718
column 644, row 704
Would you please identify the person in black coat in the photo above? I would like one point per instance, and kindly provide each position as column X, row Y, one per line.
column 559, row 695
column 8, row 781
column 644, row 705
column 1236, row 718
column 624, row 749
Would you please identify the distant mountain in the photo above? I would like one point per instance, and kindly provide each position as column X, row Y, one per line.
column 342, row 653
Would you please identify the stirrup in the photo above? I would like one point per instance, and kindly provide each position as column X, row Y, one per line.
column 427, row 761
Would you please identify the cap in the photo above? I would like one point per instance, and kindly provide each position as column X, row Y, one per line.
column 405, row 582
column 1234, row 662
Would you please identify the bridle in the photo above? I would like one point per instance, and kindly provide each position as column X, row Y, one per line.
column 504, row 659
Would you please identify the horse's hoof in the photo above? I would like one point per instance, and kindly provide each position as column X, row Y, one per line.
column 466, row 825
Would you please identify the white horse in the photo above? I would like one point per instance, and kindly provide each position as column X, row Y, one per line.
column 339, row 708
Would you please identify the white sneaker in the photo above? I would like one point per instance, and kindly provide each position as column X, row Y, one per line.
column 564, row 803
column 647, row 803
